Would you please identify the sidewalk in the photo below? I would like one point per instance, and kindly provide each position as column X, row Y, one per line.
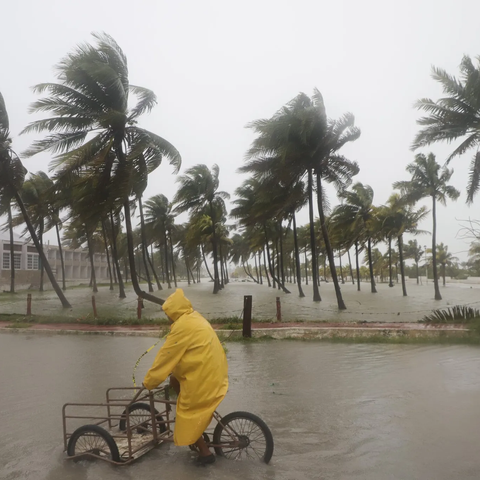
column 274, row 330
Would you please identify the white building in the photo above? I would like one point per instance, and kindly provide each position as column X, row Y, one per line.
column 27, row 262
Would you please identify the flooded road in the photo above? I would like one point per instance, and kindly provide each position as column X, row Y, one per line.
column 372, row 412
column 388, row 305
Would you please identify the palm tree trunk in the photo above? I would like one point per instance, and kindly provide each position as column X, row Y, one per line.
column 173, row 259
column 328, row 247
column 313, row 241
column 131, row 257
column 444, row 267
column 271, row 267
column 271, row 264
column 297, row 258
column 402, row 266
column 167, row 273
column 205, row 262
column 282, row 266
column 116, row 261
column 256, row 268
column 418, row 278
column 351, row 269
column 222, row 273
column 144, row 244
column 92, row 263
column 33, row 235
column 193, row 276
column 358, row 266
column 105, row 241
column 42, row 268
column 370, row 264
column 390, row 260
column 248, row 273
column 188, row 270
column 128, row 227
column 340, row 266
column 306, row 267
column 260, row 267
column 60, row 251
column 216, row 282
column 276, row 255
column 12, row 250
column 438, row 296
column 152, row 266
column 265, row 267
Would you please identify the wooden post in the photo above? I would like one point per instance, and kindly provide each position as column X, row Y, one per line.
column 94, row 305
column 279, row 310
column 247, row 316
column 139, row 308
column 29, row 304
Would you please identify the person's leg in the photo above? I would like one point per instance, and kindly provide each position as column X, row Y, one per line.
column 203, row 449
column 205, row 456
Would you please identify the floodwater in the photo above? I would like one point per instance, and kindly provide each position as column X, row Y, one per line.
column 388, row 305
column 372, row 412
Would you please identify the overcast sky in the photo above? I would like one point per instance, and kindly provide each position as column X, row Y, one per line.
column 217, row 65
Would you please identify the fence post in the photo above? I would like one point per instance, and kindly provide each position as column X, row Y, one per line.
column 247, row 316
column 139, row 308
column 94, row 305
column 279, row 310
column 29, row 304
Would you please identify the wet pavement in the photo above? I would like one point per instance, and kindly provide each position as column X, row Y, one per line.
column 388, row 305
column 372, row 412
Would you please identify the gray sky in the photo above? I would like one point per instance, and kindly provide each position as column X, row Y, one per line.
column 217, row 65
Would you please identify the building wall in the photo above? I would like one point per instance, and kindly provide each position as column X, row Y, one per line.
column 27, row 263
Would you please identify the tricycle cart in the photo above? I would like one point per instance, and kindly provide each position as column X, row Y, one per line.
column 133, row 421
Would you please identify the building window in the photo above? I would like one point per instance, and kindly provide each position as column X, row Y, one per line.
column 32, row 262
column 17, row 258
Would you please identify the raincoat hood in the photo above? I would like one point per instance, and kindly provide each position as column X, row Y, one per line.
column 176, row 305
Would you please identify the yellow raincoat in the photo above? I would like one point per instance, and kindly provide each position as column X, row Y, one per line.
column 193, row 353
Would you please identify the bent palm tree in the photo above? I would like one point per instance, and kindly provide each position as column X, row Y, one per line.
column 456, row 116
column 12, row 176
column 198, row 193
column 91, row 119
column 428, row 181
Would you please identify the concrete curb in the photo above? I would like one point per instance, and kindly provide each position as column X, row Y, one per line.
column 275, row 333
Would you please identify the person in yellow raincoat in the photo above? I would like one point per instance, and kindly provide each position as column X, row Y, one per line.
column 194, row 356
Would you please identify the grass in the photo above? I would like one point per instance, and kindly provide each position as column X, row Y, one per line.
column 19, row 325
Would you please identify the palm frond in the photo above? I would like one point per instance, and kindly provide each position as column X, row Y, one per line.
column 473, row 178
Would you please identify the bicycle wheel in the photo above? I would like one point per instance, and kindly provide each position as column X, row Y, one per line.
column 94, row 440
column 141, row 415
column 243, row 435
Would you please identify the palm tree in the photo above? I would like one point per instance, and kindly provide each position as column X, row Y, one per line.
column 444, row 258
column 255, row 210
column 429, row 180
column 300, row 141
column 414, row 251
column 456, row 116
column 397, row 218
column 358, row 207
column 12, row 176
column 93, row 126
column 474, row 258
column 198, row 193
column 158, row 218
